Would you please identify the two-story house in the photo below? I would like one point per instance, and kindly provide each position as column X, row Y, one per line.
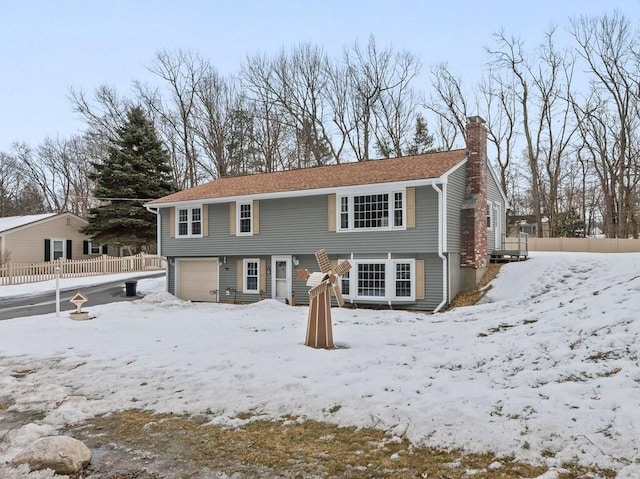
column 416, row 229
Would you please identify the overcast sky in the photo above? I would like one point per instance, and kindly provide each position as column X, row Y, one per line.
column 49, row 46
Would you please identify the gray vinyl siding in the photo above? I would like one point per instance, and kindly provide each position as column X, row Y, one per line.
column 300, row 225
column 456, row 186
column 171, row 277
column 433, row 280
column 228, row 280
column 494, row 196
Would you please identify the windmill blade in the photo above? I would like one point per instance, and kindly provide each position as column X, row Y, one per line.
column 316, row 290
column 342, row 268
column 338, row 294
column 303, row 274
column 323, row 261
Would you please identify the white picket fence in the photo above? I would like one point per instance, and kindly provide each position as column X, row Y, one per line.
column 21, row 273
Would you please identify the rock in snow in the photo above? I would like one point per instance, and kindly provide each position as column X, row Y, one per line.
column 62, row 454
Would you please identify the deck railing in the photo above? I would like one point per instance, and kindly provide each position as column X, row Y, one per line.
column 517, row 243
column 21, row 273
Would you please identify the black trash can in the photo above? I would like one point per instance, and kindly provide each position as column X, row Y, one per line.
column 130, row 287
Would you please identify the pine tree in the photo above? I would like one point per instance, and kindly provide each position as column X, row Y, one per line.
column 422, row 141
column 136, row 171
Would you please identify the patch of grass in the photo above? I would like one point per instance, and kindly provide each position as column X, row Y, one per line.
column 603, row 356
column 21, row 373
column 293, row 448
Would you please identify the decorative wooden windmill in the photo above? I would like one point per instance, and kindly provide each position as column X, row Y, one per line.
column 319, row 329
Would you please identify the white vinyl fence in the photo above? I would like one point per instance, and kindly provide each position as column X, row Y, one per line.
column 21, row 273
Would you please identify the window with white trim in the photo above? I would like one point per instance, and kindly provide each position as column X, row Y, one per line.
column 490, row 216
column 245, row 219
column 384, row 210
column 94, row 248
column 58, row 248
column 382, row 280
column 189, row 222
column 251, row 276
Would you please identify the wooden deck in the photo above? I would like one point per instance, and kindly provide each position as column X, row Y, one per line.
column 508, row 255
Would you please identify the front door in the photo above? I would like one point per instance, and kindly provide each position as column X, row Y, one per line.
column 281, row 278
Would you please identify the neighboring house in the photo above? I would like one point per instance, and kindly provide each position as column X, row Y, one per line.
column 527, row 224
column 417, row 230
column 46, row 237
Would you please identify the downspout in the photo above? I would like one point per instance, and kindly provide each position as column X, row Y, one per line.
column 442, row 224
column 156, row 211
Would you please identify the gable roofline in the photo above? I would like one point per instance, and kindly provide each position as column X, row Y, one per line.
column 343, row 190
column 402, row 171
column 18, row 223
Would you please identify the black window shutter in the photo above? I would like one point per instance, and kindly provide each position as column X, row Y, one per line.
column 85, row 247
column 104, row 249
column 47, row 250
column 69, row 249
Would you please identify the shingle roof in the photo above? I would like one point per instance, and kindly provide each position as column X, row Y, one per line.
column 10, row 222
column 406, row 168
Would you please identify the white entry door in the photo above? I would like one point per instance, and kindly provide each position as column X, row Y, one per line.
column 281, row 278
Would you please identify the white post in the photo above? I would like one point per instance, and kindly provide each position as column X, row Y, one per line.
column 57, row 290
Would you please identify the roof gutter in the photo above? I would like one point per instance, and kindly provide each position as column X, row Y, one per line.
column 442, row 226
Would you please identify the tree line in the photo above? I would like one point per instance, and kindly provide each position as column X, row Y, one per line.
column 563, row 122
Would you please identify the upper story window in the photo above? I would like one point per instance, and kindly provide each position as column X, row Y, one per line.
column 189, row 222
column 245, row 219
column 372, row 211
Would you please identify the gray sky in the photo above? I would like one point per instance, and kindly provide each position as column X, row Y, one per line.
column 48, row 46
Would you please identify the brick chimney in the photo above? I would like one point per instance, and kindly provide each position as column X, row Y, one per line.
column 473, row 248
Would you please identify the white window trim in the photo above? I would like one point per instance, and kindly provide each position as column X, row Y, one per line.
column 389, row 276
column 238, row 209
column 94, row 245
column 244, row 276
column 189, row 221
column 52, row 250
column 391, row 205
column 490, row 215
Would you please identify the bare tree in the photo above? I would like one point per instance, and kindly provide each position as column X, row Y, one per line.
column 500, row 110
column 609, row 46
column 104, row 113
column 183, row 72
column 449, row 104
column 292, row 87
column 380, row 105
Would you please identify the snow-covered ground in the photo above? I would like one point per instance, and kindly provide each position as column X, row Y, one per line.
column 547, row 369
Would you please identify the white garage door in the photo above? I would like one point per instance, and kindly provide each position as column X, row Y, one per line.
column 197, row 279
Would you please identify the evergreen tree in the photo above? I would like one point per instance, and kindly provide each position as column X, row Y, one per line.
column 136, row 171
column 422, row 141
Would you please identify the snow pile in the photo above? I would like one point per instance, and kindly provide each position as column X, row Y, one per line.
column 546, row 369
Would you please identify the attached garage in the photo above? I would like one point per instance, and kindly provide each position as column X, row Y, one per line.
column 197, row 279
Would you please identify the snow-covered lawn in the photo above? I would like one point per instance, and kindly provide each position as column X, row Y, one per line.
column 547, row 369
